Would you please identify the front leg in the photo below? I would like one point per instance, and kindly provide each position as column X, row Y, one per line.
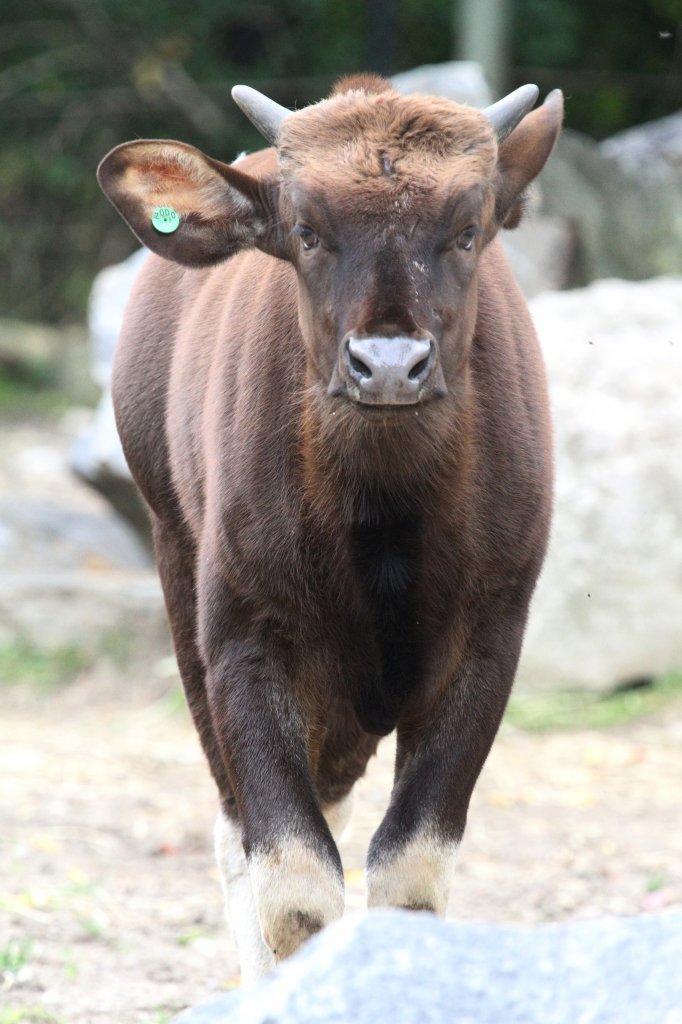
column 255, row 957
column 442, row 747
column 294, row 869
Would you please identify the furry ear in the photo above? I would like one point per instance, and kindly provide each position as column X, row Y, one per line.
column 523, row 154
column 220, row 209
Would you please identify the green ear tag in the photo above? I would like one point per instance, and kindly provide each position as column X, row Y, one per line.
column 165, row 220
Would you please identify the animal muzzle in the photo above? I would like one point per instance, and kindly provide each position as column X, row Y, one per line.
column 388, row 371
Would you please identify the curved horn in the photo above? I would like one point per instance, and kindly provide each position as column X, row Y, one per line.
column 507, row 112
column 263, row 112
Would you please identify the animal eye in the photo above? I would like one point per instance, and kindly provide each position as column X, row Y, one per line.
column 307, row 236
column 465, row 239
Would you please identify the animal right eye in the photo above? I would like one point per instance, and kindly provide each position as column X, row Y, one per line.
column 307, row 236
column 465, row 239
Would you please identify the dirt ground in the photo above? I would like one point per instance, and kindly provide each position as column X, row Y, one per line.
column 110, row 905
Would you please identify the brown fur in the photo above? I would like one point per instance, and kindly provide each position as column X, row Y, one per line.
column 384, row 147
column 332, row 572
column 362, row 82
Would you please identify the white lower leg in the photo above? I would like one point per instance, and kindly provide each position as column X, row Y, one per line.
column 417, row 876
column 255, row 958
column 297, row 892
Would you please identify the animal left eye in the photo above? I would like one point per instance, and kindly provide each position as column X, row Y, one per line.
column 307, row 236
column 465, row 239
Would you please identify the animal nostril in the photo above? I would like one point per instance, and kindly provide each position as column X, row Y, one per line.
column 417, row 370
column 362, row 369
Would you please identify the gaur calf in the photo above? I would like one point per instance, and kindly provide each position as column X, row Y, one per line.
column 331, row 396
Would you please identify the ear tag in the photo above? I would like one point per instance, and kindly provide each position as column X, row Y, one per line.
column 165, row 220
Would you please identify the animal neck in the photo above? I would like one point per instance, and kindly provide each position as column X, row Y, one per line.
column 364, row 470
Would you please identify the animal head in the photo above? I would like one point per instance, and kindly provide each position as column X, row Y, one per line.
column 382, row 203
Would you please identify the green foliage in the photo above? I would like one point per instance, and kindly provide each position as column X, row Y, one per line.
column 27, row 1015
column 544, row 712
column 190, row 936
column 23, row 663
column 618, row 61
column 70, row 965
column 15, row 955
column 162, row 1016
column 78, row 77
column 18, row 397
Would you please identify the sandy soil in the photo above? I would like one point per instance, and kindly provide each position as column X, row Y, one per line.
column 110, row 906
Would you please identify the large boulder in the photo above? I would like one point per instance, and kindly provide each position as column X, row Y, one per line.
column 459, row 80
column 72, row 574
column 542, row 253
column 414, row 969
column 96, row 456
column 608, row 606
column 54, row 357
column 622, row 198
column 648, row 149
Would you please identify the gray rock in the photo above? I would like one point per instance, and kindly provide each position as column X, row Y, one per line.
column 541, row 251
column 72, row 574
column 648, row 147
column 76, row 578
column 96, row 456
column 107, row 302
column 120, row 614
column 608, row 606
column 623, row 200
column 51, row 355
column 413, row 969
column 459, row 80
column 39, row 532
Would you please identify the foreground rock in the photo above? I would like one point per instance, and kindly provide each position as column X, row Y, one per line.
column 608, row 606
column 413, row 969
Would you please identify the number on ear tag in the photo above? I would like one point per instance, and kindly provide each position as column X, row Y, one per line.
column 165, row 220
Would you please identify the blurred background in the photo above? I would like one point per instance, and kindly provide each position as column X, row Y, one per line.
column 79, row 76
column 109, row 902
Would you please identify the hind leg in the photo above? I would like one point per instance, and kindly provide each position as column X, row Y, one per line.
column 338, row 815
column 175, row 561
column 255, row 957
